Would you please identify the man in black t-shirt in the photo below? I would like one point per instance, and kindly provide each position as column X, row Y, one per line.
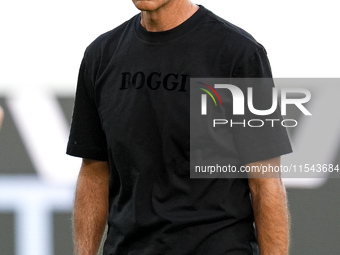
column 131, row 127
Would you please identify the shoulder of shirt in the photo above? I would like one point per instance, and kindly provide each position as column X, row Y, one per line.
column 111, row 37
column 243, row 38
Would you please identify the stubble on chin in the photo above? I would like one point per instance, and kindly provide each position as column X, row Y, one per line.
column 149, row 5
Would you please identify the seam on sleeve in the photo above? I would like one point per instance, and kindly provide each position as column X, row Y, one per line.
column 237, row 69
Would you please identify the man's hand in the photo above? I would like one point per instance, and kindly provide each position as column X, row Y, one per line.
column 270, row 210
column 91, row 206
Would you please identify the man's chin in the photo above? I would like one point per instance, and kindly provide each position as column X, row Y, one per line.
column 144, row 5
column 149, row 5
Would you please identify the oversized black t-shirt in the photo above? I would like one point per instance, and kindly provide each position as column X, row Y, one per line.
column 132, row 109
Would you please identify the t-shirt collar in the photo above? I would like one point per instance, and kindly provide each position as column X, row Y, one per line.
column 174, row 33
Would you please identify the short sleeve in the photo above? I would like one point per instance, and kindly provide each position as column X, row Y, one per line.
column 262, row 137
column 86, row 139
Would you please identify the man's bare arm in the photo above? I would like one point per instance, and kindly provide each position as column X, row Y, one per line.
column 270, row 210
column 90, row 206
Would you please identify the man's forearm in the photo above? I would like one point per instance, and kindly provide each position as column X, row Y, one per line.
column 271, row 215
column 90, row 207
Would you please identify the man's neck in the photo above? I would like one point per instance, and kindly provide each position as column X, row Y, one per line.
column 168, row 16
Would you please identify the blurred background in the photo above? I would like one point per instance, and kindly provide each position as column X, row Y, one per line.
column 41, row 46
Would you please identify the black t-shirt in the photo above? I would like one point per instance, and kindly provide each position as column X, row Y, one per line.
column 132, row 109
